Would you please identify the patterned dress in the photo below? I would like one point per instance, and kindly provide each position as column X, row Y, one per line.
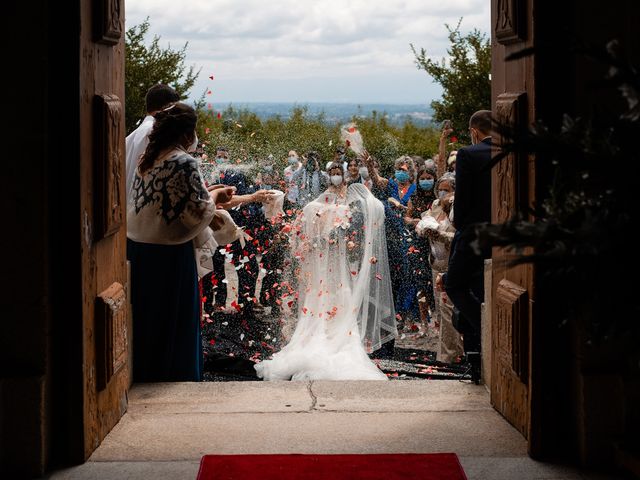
column 169, row 207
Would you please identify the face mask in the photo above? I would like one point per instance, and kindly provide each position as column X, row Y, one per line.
column 293, row 160
column 194, row 145
column 364, row 172
column 426, row 184
column 442, row 194
column 336, row 180
column 402, row 176
column 268, row 168
column 222, row 159
column 267, row 187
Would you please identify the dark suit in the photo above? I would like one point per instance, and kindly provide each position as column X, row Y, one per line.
column 464, row 281
column 251, row 217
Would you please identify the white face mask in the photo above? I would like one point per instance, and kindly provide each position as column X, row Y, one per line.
column 194, row 145
column 336, row 180
column 293, row 160
column 364, row 172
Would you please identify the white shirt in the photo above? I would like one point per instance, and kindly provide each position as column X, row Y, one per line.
column 136, row 142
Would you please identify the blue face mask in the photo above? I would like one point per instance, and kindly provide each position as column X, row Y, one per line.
column 442, row 194
column 402, row 176
column 293, row 160
column 426, row 184
column 267, row 187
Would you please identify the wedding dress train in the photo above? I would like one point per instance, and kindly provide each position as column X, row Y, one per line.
column 345, row 306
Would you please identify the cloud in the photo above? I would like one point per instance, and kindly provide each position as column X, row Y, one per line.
column 283, row 41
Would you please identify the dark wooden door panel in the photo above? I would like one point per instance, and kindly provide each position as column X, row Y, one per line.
column 106, row 318
column 513, row 93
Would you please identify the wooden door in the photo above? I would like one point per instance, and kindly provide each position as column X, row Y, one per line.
column 105, row 300
column 513, row 99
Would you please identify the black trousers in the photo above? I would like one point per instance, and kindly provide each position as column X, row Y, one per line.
column 464, row 284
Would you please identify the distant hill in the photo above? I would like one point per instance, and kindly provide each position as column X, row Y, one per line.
column 341, row 112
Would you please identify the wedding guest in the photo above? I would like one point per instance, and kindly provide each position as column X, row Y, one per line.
column 340, row 156
column 272, row 246
column 451, row 162
column 418, row 257
column 352, row 172
column 464, row 281
column 358, row 173
column 170, row 205
column 430, row 164
column 158, row 97
column 245, row 209
column 418, row 160
column 222, row 156
column 293, row 166
column 309, row 179
column 268, row 178
column 397, row 190
column 438, row 228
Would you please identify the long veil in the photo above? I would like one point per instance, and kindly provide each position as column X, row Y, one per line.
column 371, row 282
column 339, row 254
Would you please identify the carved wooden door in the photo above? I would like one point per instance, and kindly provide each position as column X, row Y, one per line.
column 513, row 92
column 105, row 300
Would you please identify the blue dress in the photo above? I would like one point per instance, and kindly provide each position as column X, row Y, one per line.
column 167, row 344
column 404, row 288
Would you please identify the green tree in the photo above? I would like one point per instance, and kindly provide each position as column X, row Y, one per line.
column 465, row 78
column 148, row 65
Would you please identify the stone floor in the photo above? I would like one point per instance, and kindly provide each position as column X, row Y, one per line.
column 168, row 427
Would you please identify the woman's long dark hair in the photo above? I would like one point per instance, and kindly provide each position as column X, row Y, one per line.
column 422, row 199
column 173, row 127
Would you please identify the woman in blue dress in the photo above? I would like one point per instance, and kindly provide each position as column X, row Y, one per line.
column 395, row 193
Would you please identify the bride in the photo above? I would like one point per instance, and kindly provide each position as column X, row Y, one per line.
column 345, row 306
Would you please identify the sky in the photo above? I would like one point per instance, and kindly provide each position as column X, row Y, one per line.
column 350, row 51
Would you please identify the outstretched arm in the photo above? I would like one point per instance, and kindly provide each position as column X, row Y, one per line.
column 259, row 196
column 441, row 164
column 378, row 181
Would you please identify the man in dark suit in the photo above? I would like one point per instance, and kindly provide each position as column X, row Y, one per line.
column 464, row 281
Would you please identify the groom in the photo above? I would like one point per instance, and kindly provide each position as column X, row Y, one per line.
column 464, row 281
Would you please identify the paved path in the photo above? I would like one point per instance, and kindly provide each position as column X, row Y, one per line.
column 168, row 427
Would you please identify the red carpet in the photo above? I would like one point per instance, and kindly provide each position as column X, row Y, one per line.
column 430, row 466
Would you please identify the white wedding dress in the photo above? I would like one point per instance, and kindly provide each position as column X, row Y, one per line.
column 345, row 303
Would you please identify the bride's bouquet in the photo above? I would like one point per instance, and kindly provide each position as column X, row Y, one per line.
column 351, row 137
